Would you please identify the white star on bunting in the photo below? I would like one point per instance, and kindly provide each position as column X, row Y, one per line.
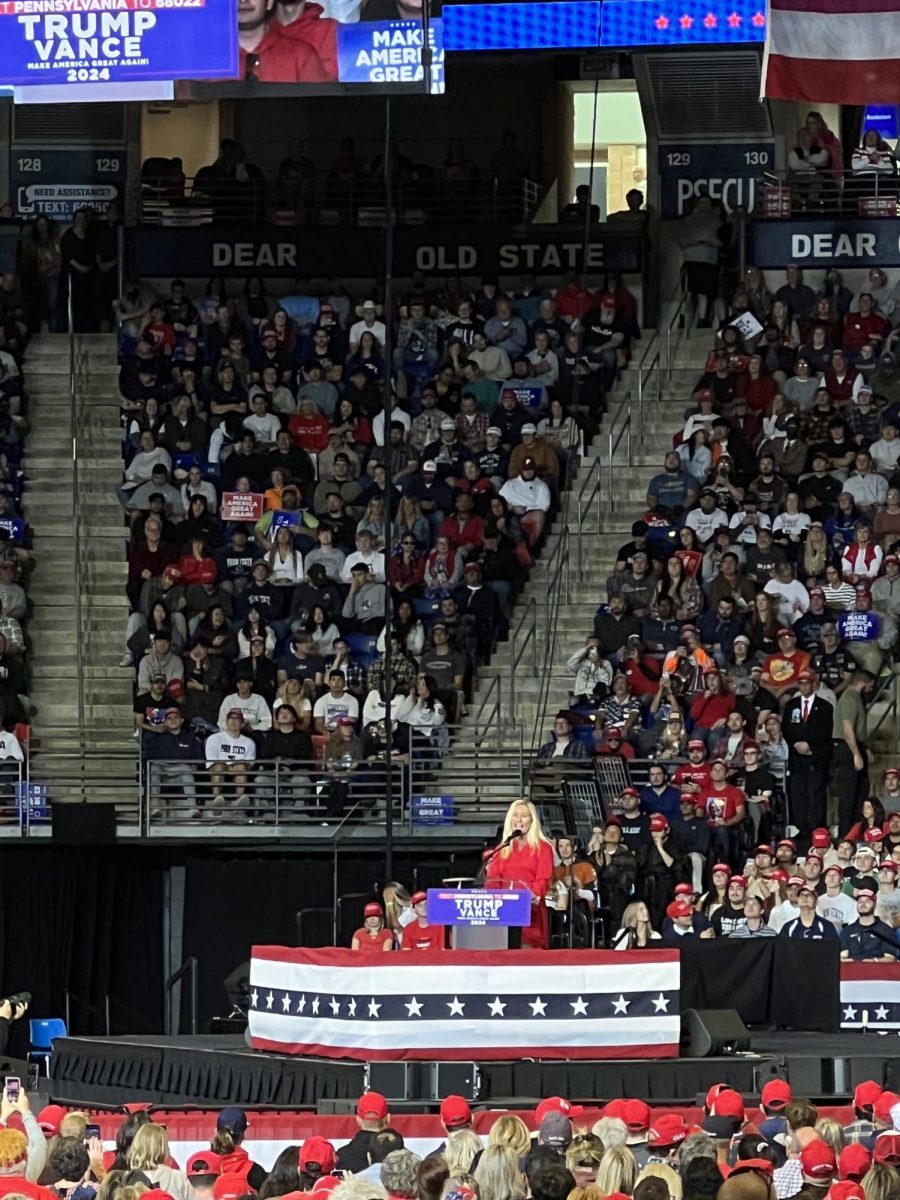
column 270, row 999
column 661, row 1003
column 315, row 1006
column 538, row 1007
column 849, row 1013
column 881, row 1013
column 456, row 1006
column 497, row 1007
column 621, row 1005
column 286, row 1002
column 374, row 1009
column 254, row 997
column 579, row 1007
column 414, row 1007
column 335, row 1005
column 301, row 1004
column 351, row 1008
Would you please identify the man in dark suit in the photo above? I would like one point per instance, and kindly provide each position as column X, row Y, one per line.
column 807, row 727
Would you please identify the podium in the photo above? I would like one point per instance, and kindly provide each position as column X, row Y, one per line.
column 481, row 918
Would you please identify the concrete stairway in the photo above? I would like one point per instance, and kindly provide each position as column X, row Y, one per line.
column 65, row 722
column 576, row 612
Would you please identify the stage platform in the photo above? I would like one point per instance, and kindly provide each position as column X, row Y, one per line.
column 222, row 1069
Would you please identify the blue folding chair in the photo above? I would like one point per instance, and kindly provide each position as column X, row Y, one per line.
column 41, row 1034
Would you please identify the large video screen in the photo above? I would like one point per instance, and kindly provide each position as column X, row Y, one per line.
column 336, row 44
column 49, row 42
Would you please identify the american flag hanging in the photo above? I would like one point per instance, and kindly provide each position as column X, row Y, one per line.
column 465, row 1004
column 870, row 995
column 832, row 51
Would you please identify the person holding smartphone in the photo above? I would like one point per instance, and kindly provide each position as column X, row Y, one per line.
column 25, row 1154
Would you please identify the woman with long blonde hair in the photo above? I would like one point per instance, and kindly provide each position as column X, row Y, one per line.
column 526, row 861
column 461, row 1150
column 499, row 1175
column 149, row 1154
column 617, row 1172
column 510, row 1131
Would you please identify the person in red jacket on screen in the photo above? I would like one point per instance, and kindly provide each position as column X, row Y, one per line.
column 305, row 51
column 526, row 863
column 420, row 935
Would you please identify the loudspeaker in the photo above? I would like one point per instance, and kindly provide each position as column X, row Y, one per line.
column 709, row 1032
column 83, row 824
column 440, row 1079
column 395, row 1080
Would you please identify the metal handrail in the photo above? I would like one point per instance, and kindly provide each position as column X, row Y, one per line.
column 594, row 480
column 76, row 517
column 190, row 201
column 492, row 720
column 685, row 309
column 529, row 618
column 892, row 707
column 557, row 590
column 189, row 966
column 649, row 364
column 613, row 442
column 780, row 193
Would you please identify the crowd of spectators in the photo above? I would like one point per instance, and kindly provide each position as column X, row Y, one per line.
column 753, row 614
column 782, row 1149
column 822, row 177
column 239, row 611
column 311, row 183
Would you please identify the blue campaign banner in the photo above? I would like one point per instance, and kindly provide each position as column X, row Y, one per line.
column 478, row 906
column 729, row 172
column 433, row 810
column 841, row 242
column 284, row 519
column 389, row 52
column 682, row 22
column 534, row 26
column 528, row 397
column 102, row 41
column 14, row 526
column 858, row 626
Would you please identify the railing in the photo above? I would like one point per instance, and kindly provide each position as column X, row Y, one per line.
column 520, row 639
column 887, row 692
column 209, row 198
column 620, row 427
column 557, row 575
column 587, row 505
column 283, row 797
column 91, row 776
column 17, row 814
column 649, row 367
column 488, row 716
column 785, row 194
column 678, row 329
column 76, row 516
column 190, row 967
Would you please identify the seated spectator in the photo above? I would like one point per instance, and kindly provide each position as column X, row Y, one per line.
column 529, row 498
column 673, row 491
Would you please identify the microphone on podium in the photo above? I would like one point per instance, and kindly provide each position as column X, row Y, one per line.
column 489, row 854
